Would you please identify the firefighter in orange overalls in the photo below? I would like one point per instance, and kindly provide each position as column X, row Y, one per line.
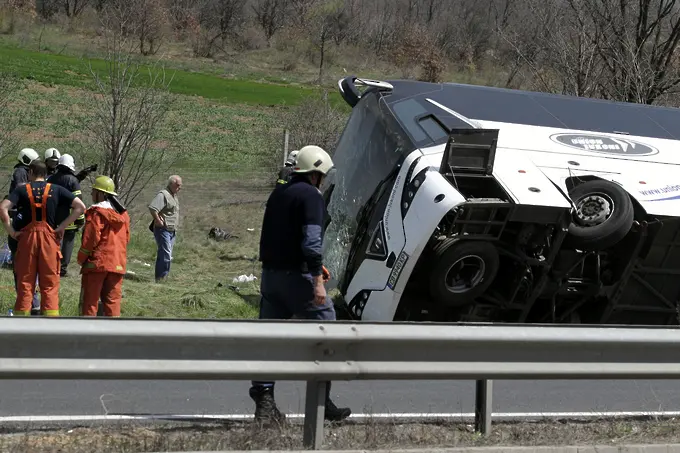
column 44, row 217
column 103, row 254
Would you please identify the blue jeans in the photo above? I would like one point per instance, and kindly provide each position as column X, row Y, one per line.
column 286, row 295
column 165, row 240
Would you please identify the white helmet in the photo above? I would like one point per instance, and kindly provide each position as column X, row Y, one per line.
column 313, row 158
column 28, row 155
column 291, row 157
column 67, row 161
column 52, row 153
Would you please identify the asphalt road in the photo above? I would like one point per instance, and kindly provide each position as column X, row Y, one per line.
column 41, row 398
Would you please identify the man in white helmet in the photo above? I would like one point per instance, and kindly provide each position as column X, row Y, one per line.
column 52, row 156
column 287, row 171
column 292, row 283
column 65, row 177
column 19, row 178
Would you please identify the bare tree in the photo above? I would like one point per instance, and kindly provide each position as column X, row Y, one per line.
column 219, row 18
column 570, row 51
column 637, row 43
column 327, row 22
column 270, row 15
column 47, row 8
column 73, row 8
column 130, row 105
column 315, row 121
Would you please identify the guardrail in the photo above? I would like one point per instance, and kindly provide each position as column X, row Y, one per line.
column 155, row 349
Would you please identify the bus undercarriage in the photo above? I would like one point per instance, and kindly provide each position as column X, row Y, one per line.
column 494, row 260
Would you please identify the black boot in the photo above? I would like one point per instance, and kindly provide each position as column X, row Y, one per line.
column 265, row 405
column 334, row 413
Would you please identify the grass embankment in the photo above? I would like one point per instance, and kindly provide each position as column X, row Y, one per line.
column 363, row 436
column 222, row 133
column 53, row 69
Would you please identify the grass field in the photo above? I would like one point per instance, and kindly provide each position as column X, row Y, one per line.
column 74, row 71
column 221, row 131
column 347, row 436
column 225, row 128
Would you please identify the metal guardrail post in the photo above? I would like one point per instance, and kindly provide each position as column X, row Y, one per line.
column 315, row 406
column 483, row 405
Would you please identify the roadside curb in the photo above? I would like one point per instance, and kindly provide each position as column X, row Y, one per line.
column 633, row 448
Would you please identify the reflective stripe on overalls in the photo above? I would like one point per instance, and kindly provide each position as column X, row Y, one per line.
column 38, row 253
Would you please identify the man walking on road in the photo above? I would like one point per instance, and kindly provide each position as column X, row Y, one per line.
column 38, row 232
column 292, row 284
column 103, row 254
column 164, row 209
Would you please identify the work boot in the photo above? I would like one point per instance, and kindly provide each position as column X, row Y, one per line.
column 265, row 406
column 334, row 413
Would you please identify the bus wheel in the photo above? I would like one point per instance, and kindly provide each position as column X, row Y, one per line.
column 462, row 271
column 604, row 215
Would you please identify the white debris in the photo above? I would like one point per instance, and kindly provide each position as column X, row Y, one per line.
column 250, row 229
column 244, row 278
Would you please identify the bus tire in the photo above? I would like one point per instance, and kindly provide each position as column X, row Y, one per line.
column 604, row 215
column 462, row 271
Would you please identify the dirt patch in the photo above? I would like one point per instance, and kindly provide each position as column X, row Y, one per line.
column 248, row 436
column 41, row 87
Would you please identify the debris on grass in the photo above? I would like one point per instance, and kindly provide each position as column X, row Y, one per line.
column 218, row 234
column 369, row 435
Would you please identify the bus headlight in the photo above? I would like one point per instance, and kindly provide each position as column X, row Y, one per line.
column 411, row 188
column 356, row 306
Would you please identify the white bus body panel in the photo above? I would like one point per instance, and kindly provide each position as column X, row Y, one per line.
column 527, row 158
column 419, row 224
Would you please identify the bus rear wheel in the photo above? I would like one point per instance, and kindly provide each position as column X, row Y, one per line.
column 604, row 215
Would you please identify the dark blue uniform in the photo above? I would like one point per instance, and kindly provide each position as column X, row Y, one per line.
column 65, row 178
column 291, row 252
column 291, row 255
column 285, row 174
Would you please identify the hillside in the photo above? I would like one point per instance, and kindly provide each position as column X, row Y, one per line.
column 239, row 72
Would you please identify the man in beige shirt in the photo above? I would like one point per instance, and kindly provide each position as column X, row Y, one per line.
column 164, row 209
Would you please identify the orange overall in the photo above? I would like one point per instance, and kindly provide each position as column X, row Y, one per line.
column 38, row 252
column 103, row 257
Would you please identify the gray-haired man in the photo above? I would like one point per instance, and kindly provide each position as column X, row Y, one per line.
column 164, row 209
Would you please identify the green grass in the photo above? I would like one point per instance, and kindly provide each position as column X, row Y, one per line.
column 73, row 71
column 200, row 284
column 227, row 167
column 226, row 136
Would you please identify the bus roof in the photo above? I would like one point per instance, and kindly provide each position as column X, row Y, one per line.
column 504, row 105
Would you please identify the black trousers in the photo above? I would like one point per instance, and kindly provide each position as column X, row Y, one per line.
column 67, row 249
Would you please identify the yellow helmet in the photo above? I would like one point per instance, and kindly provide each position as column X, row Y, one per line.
column 104, row 184
column 312, row 158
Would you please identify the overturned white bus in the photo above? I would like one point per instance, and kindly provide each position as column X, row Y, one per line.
column 454, row 202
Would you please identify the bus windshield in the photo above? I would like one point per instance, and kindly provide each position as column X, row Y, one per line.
column 368, row 150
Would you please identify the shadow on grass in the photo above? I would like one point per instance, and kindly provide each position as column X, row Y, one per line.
column 251, row 299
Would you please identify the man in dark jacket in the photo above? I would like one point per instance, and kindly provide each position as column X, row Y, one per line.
column 19, row 178
column 52, row 156
column 66, row 178
column 293, row 275
column 287, row 171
